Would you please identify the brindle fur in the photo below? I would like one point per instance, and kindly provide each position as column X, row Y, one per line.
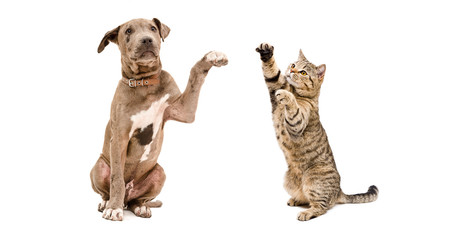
column 312, row 177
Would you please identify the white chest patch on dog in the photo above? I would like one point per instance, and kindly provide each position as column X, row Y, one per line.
column 152, row 117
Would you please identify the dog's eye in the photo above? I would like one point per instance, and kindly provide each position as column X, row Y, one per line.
column 153, row 29
column 293, row 66
column 303, row 72
column 128, row 31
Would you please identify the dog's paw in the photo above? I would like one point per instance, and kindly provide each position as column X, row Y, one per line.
column 283, row 96
column 154, row 204
column 102, row 206
column 113, row 214
column 217, row 59
column 142, row 211
column 266, row 51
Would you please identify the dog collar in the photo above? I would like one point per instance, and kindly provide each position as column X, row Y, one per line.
column 147, row 81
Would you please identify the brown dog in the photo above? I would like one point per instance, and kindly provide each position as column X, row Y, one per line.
column 127, row 173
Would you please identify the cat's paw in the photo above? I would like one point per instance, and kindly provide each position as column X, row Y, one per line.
column 283, row 96
column 305, row 216
column 266, row 51
column 292, row 203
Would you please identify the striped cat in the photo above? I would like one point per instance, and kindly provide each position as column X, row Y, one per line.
column 312, row 177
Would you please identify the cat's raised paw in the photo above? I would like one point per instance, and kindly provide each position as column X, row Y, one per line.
column 266, row 51
column 283, row 96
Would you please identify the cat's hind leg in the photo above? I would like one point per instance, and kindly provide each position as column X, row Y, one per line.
column 319, row 203
column 321, row 188
column 315, row 210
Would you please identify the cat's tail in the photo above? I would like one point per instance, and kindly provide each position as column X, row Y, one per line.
column 370, row 196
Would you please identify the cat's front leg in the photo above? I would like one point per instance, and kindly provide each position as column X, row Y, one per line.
column 296, row 116
column 272, row 74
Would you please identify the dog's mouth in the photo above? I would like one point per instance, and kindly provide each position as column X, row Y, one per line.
column 147, row 54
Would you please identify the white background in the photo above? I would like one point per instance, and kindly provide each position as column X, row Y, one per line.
column 385, row 104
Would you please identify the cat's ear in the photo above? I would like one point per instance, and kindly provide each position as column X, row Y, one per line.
column 321, row 71
column 301, row 57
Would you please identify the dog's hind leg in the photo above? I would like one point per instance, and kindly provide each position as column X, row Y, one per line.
column 140, row 195
column 100, row 181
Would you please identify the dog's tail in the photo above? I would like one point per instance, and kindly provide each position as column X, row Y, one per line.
column 370, row 196
column 154, row 204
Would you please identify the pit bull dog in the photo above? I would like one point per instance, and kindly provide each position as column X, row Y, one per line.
column 127, row 174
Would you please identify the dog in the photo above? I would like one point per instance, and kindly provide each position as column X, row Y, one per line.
column 127, row 175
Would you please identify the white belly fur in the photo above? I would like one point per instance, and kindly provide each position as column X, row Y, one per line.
column 154, row 115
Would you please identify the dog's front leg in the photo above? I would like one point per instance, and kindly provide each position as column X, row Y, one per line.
column 183, row 109
column 118, row 152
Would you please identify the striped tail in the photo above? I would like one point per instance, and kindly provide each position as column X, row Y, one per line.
column 370, row 196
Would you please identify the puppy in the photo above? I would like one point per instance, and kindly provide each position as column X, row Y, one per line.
column 127, row 173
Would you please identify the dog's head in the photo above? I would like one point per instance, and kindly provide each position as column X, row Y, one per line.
column 138, row 40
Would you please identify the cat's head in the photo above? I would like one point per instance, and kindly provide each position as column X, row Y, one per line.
column 305, row 77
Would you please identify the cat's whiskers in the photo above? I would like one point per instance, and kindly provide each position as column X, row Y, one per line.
column 289, row 80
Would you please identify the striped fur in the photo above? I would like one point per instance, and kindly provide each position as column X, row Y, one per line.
column 312, row 177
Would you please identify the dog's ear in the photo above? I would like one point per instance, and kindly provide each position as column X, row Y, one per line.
column 110, row 36
column 163, row 29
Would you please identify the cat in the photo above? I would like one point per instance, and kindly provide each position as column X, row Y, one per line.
column 312, row 177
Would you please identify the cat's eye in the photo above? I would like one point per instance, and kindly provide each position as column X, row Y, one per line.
column 303, row 72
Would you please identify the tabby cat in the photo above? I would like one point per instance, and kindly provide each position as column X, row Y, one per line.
column 312, row 177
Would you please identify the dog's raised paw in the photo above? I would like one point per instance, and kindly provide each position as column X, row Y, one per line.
column 217, row 59
column 113, row 214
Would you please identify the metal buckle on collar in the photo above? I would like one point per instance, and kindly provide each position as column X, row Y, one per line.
column 132, row 83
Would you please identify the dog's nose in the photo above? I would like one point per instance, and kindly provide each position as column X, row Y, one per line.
column 146, row 41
